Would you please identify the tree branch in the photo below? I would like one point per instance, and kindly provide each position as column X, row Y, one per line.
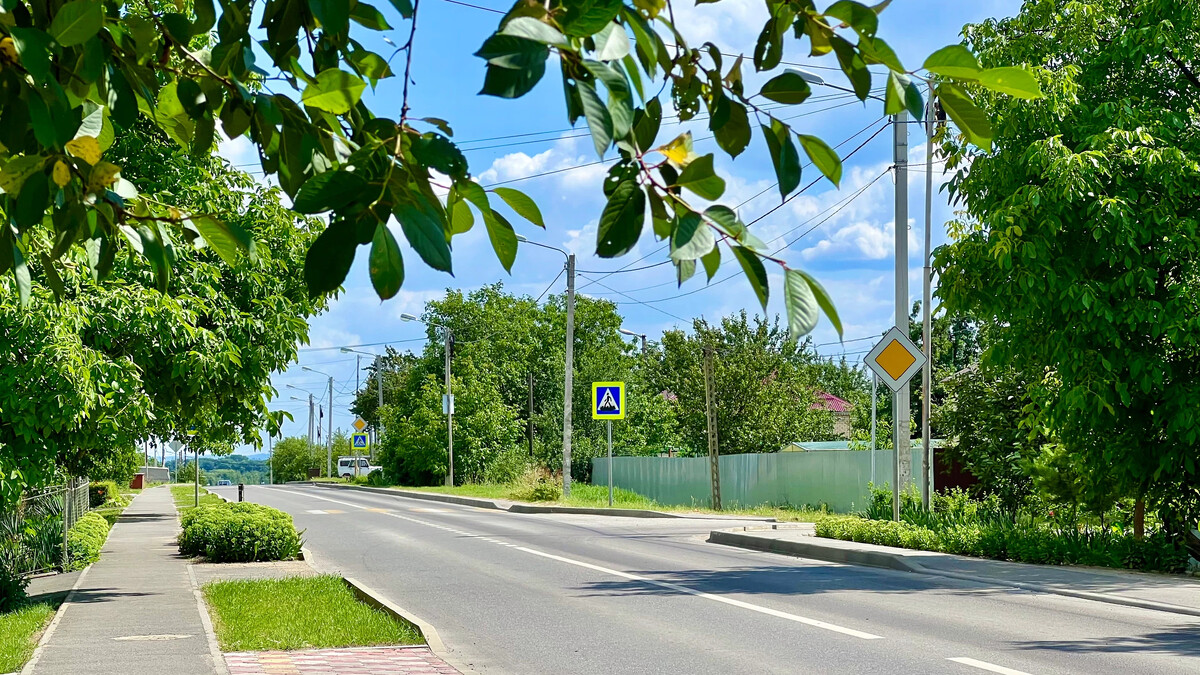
column 1187, row 72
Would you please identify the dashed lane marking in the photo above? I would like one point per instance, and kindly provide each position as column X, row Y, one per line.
column 984, row 665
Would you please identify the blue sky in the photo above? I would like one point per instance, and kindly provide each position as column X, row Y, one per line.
column 848, row 245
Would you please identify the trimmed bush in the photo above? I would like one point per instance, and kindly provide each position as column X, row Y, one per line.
column 101, row 491
column 85, row 539
column 239, row 532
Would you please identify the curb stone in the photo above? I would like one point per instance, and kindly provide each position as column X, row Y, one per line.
column 434, row 641
column 899, row 562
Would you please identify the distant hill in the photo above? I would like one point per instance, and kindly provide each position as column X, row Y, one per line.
column 259, row 456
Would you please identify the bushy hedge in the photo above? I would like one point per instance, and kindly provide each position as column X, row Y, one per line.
column 12, row 575
column 85, row 539
column 239, row 532
column 101, row 491
column 1041, row 544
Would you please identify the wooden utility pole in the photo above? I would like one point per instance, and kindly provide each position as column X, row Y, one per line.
column 711, row 410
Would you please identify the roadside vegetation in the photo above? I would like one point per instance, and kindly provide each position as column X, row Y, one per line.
column 20, row 628
column 185, row 497
column 238, row 532
column 299, row 613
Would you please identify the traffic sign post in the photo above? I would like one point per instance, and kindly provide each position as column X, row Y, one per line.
column 608, row 404
column 359, row 441
column 895, row 359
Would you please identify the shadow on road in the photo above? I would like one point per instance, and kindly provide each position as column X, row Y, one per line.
column 93, row 595
column 1180, row 641
column 145, row 517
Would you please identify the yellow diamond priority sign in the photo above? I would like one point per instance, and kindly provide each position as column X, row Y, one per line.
column 359, row 424
column 895, row 359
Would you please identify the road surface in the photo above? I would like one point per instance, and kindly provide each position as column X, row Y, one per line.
column 525, row 594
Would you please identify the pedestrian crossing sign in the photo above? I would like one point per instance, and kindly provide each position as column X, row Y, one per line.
column 608, row 400
column 359, row 440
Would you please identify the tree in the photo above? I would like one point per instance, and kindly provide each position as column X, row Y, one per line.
column 1079, row 238
column 292, row 457
column 76, row 76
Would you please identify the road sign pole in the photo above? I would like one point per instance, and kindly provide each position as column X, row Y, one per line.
column 329, row 434
column 874, row 407
column 711, row 415
column 196, row 454
column 610, row 477
column 900, row 411
column 927, row 315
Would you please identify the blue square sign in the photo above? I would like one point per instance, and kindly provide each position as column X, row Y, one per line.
column 608, row 400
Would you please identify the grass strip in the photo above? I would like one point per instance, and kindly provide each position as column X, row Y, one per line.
column 19, row 632
column 185, row 496
column 298, row 613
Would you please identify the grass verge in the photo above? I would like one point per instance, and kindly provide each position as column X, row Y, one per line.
column 184, row 494
column 298, row 613
column 19, row 632
column 596, row 496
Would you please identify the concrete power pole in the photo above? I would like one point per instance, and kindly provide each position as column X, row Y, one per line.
column 310, row 426
column 378, row 416
column 449, row 411
column 710, row 407
column 927, row 486
column 568, row 375
column 530, row 420
column 329, row 435
column 900, row 402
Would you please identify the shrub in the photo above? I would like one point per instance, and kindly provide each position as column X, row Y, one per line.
column 377, row 478
column 239, row 532
column 85, row 539
column 102, row 491
column 536, row 485
column 12, row 575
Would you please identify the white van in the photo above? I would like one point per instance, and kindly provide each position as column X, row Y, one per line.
column 349, row 467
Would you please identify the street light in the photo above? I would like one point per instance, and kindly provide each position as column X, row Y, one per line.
column 310, row 411
column 379, row 388
column 637, row 335
column 568, row 370
column 329, row 429
column 448, row 402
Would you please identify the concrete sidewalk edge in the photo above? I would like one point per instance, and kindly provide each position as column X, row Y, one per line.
column 27, row 669
column 899, row 562
column 521, row 507
column 210, row 633
column 432, row 639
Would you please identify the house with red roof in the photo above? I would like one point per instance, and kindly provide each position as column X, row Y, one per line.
column 839, row 407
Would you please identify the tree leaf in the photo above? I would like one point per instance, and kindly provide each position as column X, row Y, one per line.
column 861, row 18
column 17, row 170
column 335, row 91
column 823, row 300
column 404, row 7
column 712, row 262
column 875, row 50
column 622, row 220
column 34, row 49
column 801, row 306
column 77, row 21
column 787, row 87
column 612, row 42
column 227, row 239
column 385, row 263
column 823, row 157
column 370, row 17
column 692, row 239
column 461, row 218
column 700, row 178
column 894, row 93
column 734, row 134
column 424, row 232
column 953, row 61
column 599, row 120
column 532, row 29
column 588, row 17
column 679, row 150
column 521, row 203
column 684, row 270
column 438, row 152
column 784, row 157
column 510, row 82
column 966, row 115
column 32, row 201
column 1012, row 81
column 504, row 240
column 853, row 66
column 510, row 51
column 85, row 148
column 21, row 272
column 755, row 272
column 329, row 191
column 620, row 101
column 329, row 258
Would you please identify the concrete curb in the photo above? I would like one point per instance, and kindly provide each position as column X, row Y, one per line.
column 520, row 507
column 210, row 633
column 27, row 669
column 902, row 563
column 368, row 595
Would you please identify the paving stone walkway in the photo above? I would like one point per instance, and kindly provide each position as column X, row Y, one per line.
column 349, row 661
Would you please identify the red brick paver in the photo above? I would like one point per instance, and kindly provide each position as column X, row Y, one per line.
column 349, row 661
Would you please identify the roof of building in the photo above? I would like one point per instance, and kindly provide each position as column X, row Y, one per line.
column 827, row 401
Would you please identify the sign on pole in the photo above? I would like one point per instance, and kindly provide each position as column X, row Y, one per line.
column 608, row 400
column 358, row 441
column 895, row 359
column 359, row 424
column 447, row 404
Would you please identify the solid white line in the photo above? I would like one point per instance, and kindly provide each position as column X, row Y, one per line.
column 633, row 577
column 709, row 596
column 984, row 665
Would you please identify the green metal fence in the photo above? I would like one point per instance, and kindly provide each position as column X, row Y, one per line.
column 838, row 479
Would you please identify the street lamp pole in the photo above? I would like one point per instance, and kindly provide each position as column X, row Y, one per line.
column 329, row 424
column 636, row 335
column 569, row 365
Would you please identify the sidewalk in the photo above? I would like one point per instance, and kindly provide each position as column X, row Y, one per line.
column 1180, row 595
column 133, row 611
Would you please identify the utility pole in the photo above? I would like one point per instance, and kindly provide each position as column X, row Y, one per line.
column 449, row 411
column 270, row 460
column 310, row 425
column 378, row 414
column 329, row 435
column 926, row 316
column 874, row 406
column 711, row 414
column 568, row 374
column 900, row 402
column 530, row 425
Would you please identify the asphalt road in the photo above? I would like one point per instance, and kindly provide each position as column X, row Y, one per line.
column 524, row 594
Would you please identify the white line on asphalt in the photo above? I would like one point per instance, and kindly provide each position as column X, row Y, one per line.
column 984, row 665
column 633, row 577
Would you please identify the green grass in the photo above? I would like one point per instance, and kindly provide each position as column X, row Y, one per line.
column 593, row 496
column 184, row 494
column 19, row 630
column 298, row 613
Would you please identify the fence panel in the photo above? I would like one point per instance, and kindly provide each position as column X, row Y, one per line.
column 837, row 478
column 33, row 531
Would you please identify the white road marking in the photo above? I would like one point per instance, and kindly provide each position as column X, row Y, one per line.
column 315, row 511
column 984, row 665
column 633, row 577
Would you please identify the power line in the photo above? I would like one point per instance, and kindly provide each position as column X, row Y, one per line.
column 639, row 302
column 367, row 344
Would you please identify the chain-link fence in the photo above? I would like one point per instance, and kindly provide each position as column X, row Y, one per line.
column 33, row 532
